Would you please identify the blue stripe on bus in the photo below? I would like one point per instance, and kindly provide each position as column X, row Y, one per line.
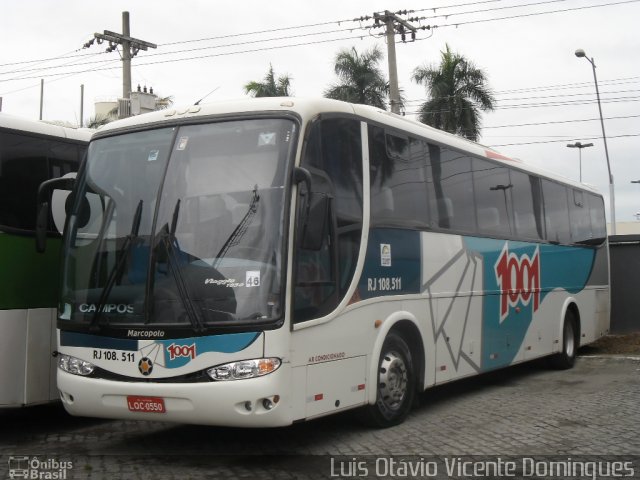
column 507, row 318
column 74, row 339
column 392, row 264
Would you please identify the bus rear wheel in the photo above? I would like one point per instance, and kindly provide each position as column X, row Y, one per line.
column 395, row 384
column 570, row 342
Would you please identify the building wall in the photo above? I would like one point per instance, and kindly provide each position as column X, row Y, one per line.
column 625, row 283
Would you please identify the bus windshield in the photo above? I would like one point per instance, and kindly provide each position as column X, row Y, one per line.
column 179, row 226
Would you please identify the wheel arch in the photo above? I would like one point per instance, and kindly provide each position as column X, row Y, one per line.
column 406, row 325
column 570, row 305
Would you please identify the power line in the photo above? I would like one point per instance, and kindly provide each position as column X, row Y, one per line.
column 539, row 105
column 261, row 41
column 262, row 49
column 567, row 139
column 221, row 37
column 614, row 81
column 44, row 60
column 524, row 15
column 444, row 7
column 447, row 15
column 320, row 33
column 561, row 122
column 541, row 97
column 54, row 67
column 259, row 32
column 569, row 103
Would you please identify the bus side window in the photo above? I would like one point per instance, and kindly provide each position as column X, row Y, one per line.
column 527, row 205
column 450, row 190
column 333, row 157
column 598, row 220
column 492, row 189
column 556, row 212
column 23, row 167
column 398, row 195
column 580, row 217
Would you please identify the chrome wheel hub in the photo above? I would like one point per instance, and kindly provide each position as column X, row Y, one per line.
column 392, row 380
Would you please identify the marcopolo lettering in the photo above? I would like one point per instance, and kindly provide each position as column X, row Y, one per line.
column 145, row 333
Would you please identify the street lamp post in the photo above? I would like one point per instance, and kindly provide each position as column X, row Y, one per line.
column 581, row 54
column 580, row 146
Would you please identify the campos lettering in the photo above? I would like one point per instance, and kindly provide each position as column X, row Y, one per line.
column 107, row 308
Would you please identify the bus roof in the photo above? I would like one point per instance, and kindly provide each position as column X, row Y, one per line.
column 39, row 127
column 308, row 108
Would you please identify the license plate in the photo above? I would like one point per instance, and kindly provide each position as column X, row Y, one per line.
column 146, row 404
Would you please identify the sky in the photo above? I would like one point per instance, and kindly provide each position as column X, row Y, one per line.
column 205, row 48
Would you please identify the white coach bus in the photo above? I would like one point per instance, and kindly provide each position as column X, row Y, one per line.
column 30, row 153
column 268, row 261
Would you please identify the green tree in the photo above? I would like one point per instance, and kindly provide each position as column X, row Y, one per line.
column 457, row 94
column 162, row 103
column 270, row 86
column 361, row 79
column 99, row 120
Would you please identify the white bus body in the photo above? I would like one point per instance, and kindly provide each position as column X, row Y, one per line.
column 221, row 292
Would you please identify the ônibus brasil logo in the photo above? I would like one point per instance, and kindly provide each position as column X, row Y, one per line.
column 518, row 280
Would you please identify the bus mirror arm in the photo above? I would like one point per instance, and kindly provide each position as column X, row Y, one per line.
column 302, row 175
column 45, row 190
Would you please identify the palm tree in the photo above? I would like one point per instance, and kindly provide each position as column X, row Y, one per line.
column 162, row 103
column 99, row 120
column 458, row 92
column 361, row 79
column 270, row 87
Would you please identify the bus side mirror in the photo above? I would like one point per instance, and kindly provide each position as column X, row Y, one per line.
column 315, row 228
column 313, row 212
column 44, row 201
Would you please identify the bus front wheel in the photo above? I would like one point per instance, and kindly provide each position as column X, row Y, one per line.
column 395, row 384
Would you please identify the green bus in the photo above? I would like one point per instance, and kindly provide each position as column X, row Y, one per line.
column 30, row 153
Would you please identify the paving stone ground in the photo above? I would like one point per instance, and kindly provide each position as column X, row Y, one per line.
column 589, row 412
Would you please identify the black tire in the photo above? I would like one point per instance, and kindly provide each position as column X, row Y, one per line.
column 395, row 384
column 570, row 342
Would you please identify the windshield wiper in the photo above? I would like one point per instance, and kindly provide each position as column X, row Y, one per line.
column 121, row 255
column 169, row 241
column 241, row 229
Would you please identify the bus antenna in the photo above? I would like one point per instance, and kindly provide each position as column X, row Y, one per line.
column 198, row 102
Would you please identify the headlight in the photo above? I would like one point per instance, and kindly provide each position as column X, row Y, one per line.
column 74, row 365
column 244, row 369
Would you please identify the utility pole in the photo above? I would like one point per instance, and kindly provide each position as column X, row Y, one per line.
column 130, row 48
column 394, row 25
column 81, row 106
column 41, row 96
